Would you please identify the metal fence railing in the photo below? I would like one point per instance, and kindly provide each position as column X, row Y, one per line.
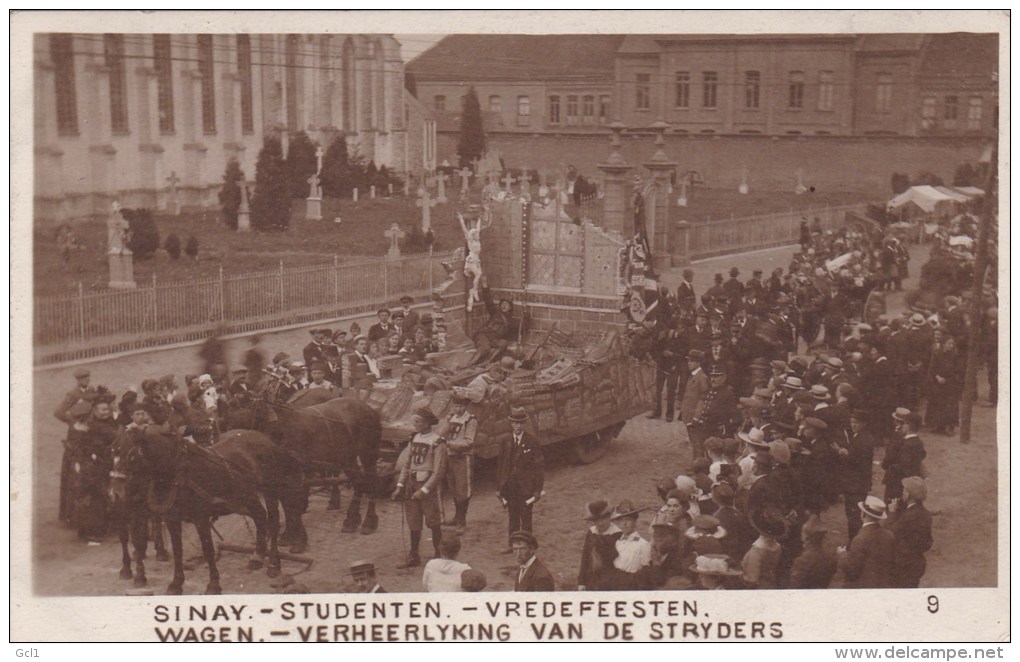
column 93, row 323
column 719, row 237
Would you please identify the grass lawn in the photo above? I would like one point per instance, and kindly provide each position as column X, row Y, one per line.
column 315, row 242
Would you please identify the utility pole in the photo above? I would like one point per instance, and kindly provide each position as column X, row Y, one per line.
column 977, row 313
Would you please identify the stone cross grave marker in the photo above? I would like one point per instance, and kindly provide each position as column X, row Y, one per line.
column 244, row 211
column 526, row 181
column 318, row 159
column 441, row 180
column 313, row 204
column 394, row 234
column 175, row 200
column 426, row 203
column 508, row 181
column 465, row 179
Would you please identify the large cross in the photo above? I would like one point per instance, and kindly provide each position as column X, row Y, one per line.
column 426, row 205
column 508, row 181
column 395, row 234
column 465, row 179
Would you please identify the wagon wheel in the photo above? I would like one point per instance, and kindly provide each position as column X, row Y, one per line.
column 592, row 446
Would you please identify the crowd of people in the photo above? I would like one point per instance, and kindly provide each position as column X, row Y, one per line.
column 777, row 436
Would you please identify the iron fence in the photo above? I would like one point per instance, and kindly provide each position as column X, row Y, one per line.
column 92, row 323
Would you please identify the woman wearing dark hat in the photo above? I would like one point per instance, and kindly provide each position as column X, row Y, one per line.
column 762, row 558
column 93, row 462
column 599, row 549
column 422, row 469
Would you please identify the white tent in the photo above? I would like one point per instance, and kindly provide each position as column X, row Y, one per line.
column 959, row 196
column 925, row 197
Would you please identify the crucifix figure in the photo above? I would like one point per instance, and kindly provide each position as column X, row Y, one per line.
column 508, row 182
column 441, row 180
column 313, row 189
column 465, row 179
column 116, row 232
column 395, row 234
column 473, row 262
column 318, row 158
column 526, row 182
column 426, row 203
column 175, row 201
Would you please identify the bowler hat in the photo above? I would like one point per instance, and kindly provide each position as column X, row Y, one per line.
column 525, row 537
column 769, row 522
column 361, row 567
column 82, row 373
column 872, row 506
column 816, row 423
column 860, row 414
column 518, row 415
column 597, row 510
column 425, row 414
column 317, row 366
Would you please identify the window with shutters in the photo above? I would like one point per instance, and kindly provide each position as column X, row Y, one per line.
column 709, row 89
column 113, row 53
column 682, row 96
column 62, row 50
column 206, row 69
column 752, row 89
column 554, row 109
column 796, row 90
column 643, row 92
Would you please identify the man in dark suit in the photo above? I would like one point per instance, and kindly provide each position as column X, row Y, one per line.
column 519, row 477
column 315, row 351
column 383, row 327
column 685, row 297
column 853, row 467
column 698, row 384
column 869, row 561
column 733, row 287
column 904, row 454
column 910, row 524
column 816, row 565
column 411, row 317
column 532, row 575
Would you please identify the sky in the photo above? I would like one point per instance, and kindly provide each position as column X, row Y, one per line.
column 411, row 45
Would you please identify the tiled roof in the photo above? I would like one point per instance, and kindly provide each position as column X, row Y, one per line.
column 876, row 43
column 518, row 56
column 961, row 53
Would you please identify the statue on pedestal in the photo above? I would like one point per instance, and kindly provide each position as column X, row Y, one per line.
column 117, row 231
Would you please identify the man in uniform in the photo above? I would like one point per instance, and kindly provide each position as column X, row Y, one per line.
column 422, row 470
column 459, row 431
column 717, row 415
column 520, row 475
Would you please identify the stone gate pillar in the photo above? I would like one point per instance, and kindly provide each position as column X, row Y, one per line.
column 659, row 230
column 616, row 178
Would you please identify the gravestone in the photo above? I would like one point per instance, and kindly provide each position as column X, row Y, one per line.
column 465, row 180
column 244, row 211
column 394, row 234
column 354, row 195
column 371, row 191
column 313, row 204
column 526, row 182
column 508, row 181
column 426, row 203
column 174, row 206
column 441, row 180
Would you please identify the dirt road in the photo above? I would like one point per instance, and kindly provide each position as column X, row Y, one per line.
column 962, row 495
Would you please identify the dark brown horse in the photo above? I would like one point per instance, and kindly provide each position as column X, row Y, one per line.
column 337, row 435
column 187, row 483
column 130, row 517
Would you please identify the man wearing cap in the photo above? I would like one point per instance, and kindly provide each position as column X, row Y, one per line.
column 698, row 384
column 816, row 565
column 599, row 548
column 363, row 575
column 313, row 351
column 717, row 414
column 459, row 431
column 868, row 563
column 520, row 473
column 362, row 376
column 532, row 575
column 382, row 328
column 411, row 317
column 81, row 391
column 910, row 523
column 422, row 468
column 904, row 454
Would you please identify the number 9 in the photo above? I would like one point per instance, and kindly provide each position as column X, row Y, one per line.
column 933, row 604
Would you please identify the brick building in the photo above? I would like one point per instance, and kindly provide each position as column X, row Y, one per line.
column 128, row 117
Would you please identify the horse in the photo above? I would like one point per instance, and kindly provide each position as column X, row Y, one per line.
column 329, row 434
column 131, row 519
column 188, row 483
